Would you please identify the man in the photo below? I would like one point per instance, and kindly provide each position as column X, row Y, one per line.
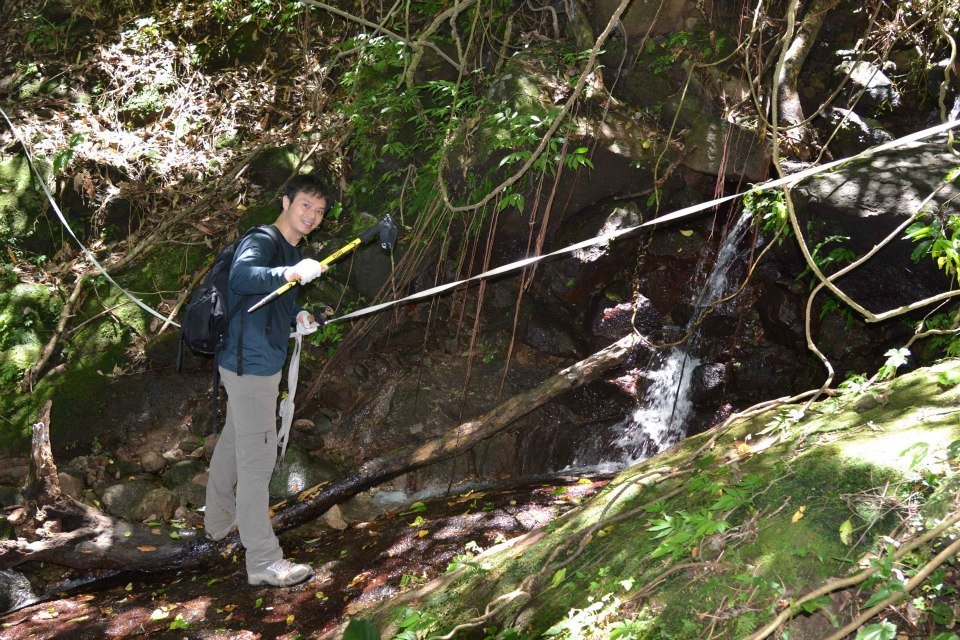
column 243, row 460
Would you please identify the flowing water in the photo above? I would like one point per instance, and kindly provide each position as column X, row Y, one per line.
column 662, row 414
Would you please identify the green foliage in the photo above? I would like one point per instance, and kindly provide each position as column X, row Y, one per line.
column 945, row 344
column 413, row 624
column 359, row 629
column 881, row 631
column 769, row 211
column 686, row 45
column 937, row 234
column 679, row 533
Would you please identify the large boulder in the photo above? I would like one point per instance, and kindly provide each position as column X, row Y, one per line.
column 299, row 470
column 183, row 472
column 159, row 503
column 123, row 499
column 717, row 147
column 865, row 201
column 850, row 133
column 879, row 92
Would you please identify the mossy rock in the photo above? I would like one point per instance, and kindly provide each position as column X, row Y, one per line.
column 22, row 205
column 271, row 167
column 778, row 540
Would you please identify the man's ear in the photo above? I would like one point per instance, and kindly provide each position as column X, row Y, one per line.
column 286, row 202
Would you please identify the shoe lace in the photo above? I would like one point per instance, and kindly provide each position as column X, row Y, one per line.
column 283, row 566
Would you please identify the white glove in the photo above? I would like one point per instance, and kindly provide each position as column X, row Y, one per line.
column 305, row 271
column 306, row 324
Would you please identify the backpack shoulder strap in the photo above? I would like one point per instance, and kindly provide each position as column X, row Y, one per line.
column 270, row 230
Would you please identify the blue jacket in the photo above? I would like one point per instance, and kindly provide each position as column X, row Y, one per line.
column 266, row 331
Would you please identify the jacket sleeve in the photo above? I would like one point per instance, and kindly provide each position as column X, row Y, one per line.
column 250, row 274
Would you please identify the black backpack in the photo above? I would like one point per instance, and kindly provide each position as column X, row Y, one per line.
column 203, row 326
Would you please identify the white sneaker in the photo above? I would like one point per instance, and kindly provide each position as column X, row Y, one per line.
column 281, row 573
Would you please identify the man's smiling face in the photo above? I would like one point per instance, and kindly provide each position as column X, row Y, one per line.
column 305, row 212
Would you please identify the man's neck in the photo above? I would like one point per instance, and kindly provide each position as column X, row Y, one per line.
column 290, row 234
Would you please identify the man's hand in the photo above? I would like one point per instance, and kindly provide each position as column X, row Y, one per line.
column 305, row 271
column 306, row 324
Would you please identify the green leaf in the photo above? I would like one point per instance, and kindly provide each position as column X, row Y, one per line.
column 686, row 233
column 948, row 378
column 878, row 596
column 816, row 604
column 361, row 630
column 179, row 622
column 558, row 577
column 258, row 603
column 882, row 631
column 846, row 532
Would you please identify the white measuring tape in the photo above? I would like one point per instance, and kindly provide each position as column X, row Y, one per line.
column 597, row 240
column 669, row 217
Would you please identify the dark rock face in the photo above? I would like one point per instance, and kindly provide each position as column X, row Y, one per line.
column 716, row 147
column 853, row 133
column 15, row 590
column 709, row 380
column 613, row 320
column 865, row 202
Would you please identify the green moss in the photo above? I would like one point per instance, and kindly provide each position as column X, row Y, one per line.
column 22, row 225
column 784, row 541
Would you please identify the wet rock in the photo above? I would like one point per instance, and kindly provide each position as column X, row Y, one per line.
column 612, row 320
column 70, row 485
column 190, row 495
column 15, row 590
column 708, row 382
column 299, row 471
column 854, row 134
column 718, row 147
column 548, row 334
column 879, row 91
column 182, row 473
column 152, row 462
column 781, row 317
column 123, row 499
column 158, row 503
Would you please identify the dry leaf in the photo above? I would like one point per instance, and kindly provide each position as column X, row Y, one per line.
column 146, row 547
column 798, row 515
column 423, row 532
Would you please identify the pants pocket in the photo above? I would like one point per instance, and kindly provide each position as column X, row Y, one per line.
column 257, row 451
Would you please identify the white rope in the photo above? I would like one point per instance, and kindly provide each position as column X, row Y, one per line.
column 89, row 254
column 669, row 217
column 605, row 238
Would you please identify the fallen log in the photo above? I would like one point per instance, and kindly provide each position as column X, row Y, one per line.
column 84, row 538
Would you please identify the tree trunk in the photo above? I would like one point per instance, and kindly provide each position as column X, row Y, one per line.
column 84, row 538
column 791, row 111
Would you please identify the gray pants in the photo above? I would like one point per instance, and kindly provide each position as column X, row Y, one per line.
column 244, row 458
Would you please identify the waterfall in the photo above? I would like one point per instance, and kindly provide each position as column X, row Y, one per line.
column 662, row 413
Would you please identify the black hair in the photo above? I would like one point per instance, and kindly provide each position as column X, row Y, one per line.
column 308, row 183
